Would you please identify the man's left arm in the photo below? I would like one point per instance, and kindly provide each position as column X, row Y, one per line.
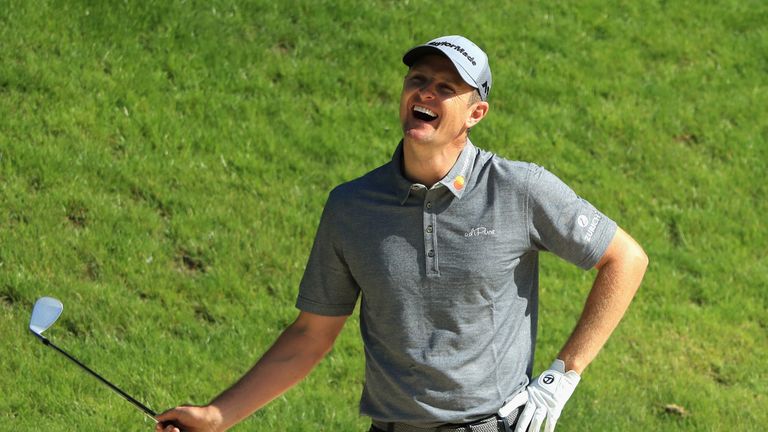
column 619, row 273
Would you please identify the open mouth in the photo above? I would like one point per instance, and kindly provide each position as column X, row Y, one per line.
column 423, row 113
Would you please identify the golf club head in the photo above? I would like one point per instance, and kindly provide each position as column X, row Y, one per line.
column 46, row 311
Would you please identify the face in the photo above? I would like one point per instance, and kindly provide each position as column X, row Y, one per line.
column 436, row 104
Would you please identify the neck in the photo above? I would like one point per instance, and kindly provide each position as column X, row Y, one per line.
column 428, row 164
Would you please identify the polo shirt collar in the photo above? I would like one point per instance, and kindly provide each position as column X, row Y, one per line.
column 456, row 180
column 402, row 185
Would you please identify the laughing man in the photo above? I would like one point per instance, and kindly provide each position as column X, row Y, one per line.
column 441, row 246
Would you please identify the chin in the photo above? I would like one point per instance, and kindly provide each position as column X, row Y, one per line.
column 421, row 132
column 419, row 136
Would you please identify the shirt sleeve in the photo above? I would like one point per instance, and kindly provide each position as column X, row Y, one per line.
column 563, row 223
column 327, row 287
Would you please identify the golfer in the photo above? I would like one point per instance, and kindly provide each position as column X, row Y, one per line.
column 441, row 246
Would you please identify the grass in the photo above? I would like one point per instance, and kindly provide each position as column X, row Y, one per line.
column 163, row 166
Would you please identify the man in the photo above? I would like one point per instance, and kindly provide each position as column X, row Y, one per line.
column 441, row 244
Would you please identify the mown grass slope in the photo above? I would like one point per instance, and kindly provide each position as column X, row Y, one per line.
column 163, row 166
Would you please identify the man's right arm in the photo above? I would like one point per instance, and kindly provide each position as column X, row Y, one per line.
column 299, row 348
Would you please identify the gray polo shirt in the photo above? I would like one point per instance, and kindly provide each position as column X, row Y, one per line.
column 448, row 277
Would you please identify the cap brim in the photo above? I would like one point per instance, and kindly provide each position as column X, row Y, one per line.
column 414, row 54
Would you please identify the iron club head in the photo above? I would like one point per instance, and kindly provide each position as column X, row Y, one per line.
column 45, row 312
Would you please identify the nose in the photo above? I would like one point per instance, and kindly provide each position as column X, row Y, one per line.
column 427, row 90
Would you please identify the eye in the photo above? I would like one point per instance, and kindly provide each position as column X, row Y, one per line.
column 446, row 89
column 415, row 79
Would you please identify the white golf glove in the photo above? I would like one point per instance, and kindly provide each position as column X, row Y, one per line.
column 547, row 395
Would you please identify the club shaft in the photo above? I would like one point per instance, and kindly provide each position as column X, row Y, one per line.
column 117, row 390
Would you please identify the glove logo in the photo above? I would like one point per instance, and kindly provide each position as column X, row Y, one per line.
column 547, row 395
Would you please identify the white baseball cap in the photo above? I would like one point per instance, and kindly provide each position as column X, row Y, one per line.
column 470, row 61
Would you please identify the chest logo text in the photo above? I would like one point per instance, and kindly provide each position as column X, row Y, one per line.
column 479, row 231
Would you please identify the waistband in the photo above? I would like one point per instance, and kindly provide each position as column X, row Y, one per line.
column 493, row 423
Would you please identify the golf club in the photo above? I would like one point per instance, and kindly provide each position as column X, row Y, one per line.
column 45, row 312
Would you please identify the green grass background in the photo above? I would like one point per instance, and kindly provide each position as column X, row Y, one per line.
column 163, row 166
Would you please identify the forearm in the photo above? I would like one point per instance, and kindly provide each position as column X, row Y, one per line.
column 616, row 283
column 288, row 361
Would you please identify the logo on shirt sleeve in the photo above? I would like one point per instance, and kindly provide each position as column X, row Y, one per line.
column 583, row 221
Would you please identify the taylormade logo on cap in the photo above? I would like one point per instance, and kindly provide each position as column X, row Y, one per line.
column 456, row 47
column 470, row 61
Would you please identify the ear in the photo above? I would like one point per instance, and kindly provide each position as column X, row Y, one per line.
column 478, row 110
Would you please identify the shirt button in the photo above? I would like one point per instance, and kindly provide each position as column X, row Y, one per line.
column 429, row 229
column 431, row 253
column 429, row 205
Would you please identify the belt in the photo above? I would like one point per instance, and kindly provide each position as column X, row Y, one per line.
column 493, row 423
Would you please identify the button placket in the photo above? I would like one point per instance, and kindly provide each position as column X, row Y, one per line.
column 430, row 243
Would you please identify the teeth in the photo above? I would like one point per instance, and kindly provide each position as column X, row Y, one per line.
column 424, row 110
